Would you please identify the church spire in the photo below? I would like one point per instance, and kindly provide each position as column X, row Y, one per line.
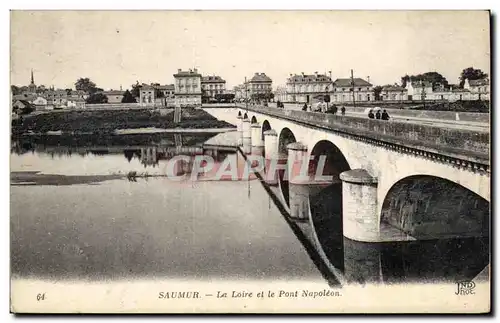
column 32, row 78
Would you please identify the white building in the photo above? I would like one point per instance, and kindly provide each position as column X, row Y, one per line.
column 147, row 95
column 303, row 87
column 347, row 90
column 187, row 87
column 393, row 93
column 479, row 89
column 212, row 85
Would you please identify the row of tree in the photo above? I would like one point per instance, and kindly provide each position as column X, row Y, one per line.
column 469, row 73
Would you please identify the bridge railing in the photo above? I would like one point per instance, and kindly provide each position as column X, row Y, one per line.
column 465, row 144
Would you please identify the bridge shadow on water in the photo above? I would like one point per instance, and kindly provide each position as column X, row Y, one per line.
column 344, row 261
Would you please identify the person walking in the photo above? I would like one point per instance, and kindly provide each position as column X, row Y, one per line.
column 378, row 115
column 371, row 115
column 342, row 110
column 334, row 109
column 304, row 108
column 385, row 115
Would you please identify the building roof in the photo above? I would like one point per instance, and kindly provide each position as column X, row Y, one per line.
column 305, row 78
column 26, row 103
column 393, row 88
column 190, row 73
column 165, row 87
column 146, row 87
column 479, row 82
column 113, row 92
column 260, row 77
column 347, row 82
column 25, row 96
column 419, row 83
column 212, row 79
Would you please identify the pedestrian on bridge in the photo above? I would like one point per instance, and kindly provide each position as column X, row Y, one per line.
column 378, row 115
column 371, row 115
column 342, row 110
column 385, row 115
column 304, row 108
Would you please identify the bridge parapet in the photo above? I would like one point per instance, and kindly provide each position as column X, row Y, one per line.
column 464, row 145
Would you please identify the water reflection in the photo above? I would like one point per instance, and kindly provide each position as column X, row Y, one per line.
column 446, row 260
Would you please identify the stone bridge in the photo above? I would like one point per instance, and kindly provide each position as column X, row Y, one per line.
column 394, row 180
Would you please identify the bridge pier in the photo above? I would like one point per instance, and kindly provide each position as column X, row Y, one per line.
column 359, row 206
column 247, row 136
column 256, row 142
column 239, row 128
column 271, row 155
column 299, row 189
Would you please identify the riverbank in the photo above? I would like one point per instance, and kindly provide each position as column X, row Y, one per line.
column 80, row 122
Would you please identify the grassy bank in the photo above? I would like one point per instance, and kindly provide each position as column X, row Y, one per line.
column 110, row 120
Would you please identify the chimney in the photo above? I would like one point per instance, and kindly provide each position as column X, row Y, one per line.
column 178, row 70
column 316, row 73
column 196, row 70
column 368, row 77
column 257, row 74
column 303, row 74
column 190, row 70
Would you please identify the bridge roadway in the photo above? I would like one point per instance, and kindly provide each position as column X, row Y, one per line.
column 455, row 124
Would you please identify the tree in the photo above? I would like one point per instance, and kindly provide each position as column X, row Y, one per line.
column 471, row 73
column 86, row 85
column 128, row 97
column 431, row 77
column 15, row 89
column 68, row 91
column 377, row 90
column 136, row 89
column 405, row 79
column 97, row 98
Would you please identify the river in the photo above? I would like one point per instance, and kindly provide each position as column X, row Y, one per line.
column 76, row 215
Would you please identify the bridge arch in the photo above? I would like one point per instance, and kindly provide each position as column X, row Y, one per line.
column 285, row 138
column 325, row 201
column 253, row 120
column 432, row 207
column 265, row 127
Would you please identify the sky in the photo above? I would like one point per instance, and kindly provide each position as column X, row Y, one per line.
column 115, row 48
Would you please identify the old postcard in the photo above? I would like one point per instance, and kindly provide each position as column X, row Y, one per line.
column 250, row 162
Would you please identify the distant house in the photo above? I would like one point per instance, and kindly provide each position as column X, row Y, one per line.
column 349, row 90
column 479, row 89
column 393, row 93
column 40, row 103
column 114, row 96
column 213, row 85
column 26, row 96
column 147, row 95
column 260, row 83
column 57, row 98
column 76, row 102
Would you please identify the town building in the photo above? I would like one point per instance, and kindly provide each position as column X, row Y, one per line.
column 281, row 94
column 147, row 95
column 167, row 90
column 187, row 87
column 40, row 103
column 348, row 90
column 393, row 93
column 212, row 85
column 305, row 88
column 76, row 102
column 114, row 96
column 419, row 90
column 260, row 83
column 57, row 98
column 479, row 89
column 239, row 92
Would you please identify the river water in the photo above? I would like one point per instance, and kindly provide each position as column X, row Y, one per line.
column 76, row 215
